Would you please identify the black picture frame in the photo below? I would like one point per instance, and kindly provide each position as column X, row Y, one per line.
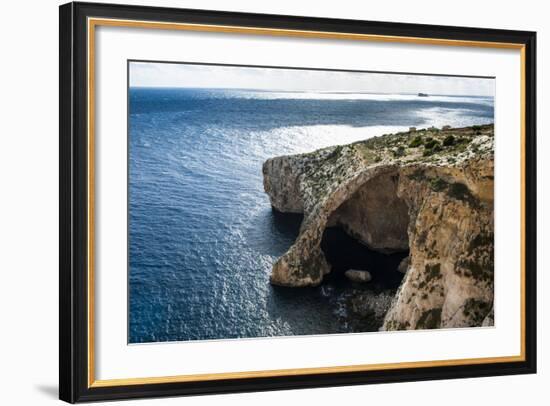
column 73, row 256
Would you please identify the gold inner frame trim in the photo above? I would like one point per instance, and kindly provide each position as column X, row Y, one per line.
column 94, row 22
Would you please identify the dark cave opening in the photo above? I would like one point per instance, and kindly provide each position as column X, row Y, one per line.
column 344, row 252
column 287, row 224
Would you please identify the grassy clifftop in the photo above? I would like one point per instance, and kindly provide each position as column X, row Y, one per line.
column 447, row 146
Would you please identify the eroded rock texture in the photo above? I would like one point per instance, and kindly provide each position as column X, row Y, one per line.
column 427, row 191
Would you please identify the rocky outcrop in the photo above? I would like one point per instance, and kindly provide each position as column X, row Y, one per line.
column 283, row 188
column 359, row 276
column 426, row 191
column 404, row 265
column 449, row 282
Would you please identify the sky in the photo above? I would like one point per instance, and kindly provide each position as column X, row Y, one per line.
column 155, row 74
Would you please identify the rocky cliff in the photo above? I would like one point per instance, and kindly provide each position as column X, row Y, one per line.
column 428, row 191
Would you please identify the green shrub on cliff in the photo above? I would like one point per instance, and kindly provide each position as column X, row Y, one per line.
column 399, row 151
column 438, row 184
column 431, row 146
column 335, row 153
column 430, row 143
column 416, row 142
column 448, row 141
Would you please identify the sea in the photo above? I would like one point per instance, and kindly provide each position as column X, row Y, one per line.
column 202, row 234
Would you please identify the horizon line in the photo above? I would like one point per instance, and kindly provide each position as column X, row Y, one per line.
column 303, row 91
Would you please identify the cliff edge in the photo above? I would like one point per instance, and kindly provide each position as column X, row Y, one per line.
column 428, row 191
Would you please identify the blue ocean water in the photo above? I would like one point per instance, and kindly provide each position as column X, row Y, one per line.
column 202, row 235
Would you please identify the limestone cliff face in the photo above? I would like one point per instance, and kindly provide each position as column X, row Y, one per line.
column 283, row 188
column 449, row 282
column 428, row 191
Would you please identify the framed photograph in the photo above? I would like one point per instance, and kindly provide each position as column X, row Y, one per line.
column 256, row 202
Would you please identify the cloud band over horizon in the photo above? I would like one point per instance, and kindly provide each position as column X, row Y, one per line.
column 160, row 74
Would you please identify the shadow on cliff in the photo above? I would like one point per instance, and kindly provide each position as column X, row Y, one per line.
column 273, row 232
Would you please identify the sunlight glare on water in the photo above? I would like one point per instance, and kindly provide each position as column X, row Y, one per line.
column 202, row 235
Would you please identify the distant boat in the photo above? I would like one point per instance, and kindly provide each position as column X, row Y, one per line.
column 422, row 94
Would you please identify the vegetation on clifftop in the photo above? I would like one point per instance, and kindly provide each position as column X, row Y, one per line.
column 449, row 146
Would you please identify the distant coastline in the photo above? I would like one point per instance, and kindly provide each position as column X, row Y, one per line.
column 349, row 92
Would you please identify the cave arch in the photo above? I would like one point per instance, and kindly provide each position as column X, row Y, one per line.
column 375, row 215
column 368, row 232
column 366, row 205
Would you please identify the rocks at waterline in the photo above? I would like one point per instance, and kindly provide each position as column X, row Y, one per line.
column 434, row 200
column 357, row 275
